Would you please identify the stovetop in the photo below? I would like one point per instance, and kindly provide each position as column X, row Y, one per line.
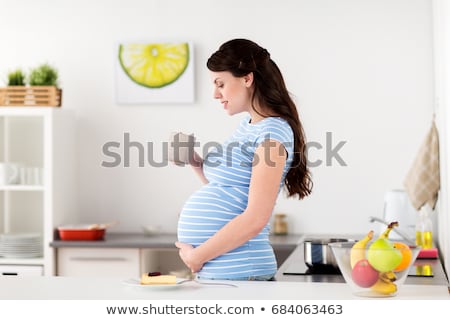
column 299, row 267
column 304, row 270
column 424, row 271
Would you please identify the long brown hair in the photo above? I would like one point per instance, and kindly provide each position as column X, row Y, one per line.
column 241, row 57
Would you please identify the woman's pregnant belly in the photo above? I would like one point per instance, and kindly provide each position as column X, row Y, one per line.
column 208, row 210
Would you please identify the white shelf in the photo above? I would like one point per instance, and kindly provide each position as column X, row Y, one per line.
column 26, row 111
column 21, row 188
column 43, row 138
column 22, row 261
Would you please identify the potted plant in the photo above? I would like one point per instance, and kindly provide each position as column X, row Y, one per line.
column 43, row 75
column 43, row 81
column 16, row 78
column 42, row 88
column 15, row 82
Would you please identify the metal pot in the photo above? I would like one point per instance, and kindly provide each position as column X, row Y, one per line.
column 318, row 254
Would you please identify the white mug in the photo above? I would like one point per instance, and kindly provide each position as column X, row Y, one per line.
column 181, row 147
column 9, row 173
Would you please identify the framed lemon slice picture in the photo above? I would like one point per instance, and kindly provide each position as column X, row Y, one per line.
column 155, row 72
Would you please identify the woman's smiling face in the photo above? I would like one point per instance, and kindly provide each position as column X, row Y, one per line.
column 233, row 93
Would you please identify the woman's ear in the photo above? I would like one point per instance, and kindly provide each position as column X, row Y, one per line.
column 248, row 79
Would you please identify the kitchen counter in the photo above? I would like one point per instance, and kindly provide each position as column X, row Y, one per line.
column 163, row 240
column 130, row 254
column 122, row 240
column 291, row 246
column 115, row 288
column 283, row 245
column 293, row 270
column 68, row 288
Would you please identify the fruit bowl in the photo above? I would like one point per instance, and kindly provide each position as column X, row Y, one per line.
column 374, row 270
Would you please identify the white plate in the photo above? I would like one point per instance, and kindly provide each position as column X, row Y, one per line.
column 137, row 283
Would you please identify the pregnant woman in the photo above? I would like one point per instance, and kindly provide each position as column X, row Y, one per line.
column 223, row 229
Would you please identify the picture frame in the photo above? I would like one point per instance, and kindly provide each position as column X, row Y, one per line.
column 154, row 73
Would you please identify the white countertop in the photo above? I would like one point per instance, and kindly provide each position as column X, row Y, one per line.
column 64, row 288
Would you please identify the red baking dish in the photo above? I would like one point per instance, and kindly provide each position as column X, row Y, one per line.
column 81, row 233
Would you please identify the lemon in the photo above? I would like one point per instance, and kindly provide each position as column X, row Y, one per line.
column 154, row 65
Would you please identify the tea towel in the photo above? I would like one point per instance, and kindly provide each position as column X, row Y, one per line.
column 422, row 181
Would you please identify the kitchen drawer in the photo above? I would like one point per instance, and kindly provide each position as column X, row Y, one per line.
column 20, row 270
column 98, row 262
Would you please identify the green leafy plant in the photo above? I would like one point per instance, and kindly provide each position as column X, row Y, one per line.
column 43, row 75
column 16, row 78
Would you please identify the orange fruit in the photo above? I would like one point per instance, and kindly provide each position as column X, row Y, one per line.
column 406, row 256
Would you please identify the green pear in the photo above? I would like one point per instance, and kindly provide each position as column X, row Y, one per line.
column 382, row 255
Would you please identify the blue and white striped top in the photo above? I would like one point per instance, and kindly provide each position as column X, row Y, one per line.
column 228, row 169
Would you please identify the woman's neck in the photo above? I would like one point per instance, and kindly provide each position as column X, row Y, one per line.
column 255, row 117
column 259, row 115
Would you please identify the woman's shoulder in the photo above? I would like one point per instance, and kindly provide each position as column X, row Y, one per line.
column 276, row 124
column 275, row 120
column 275, row 128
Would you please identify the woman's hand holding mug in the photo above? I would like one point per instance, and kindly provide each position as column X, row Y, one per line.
column 181, row 148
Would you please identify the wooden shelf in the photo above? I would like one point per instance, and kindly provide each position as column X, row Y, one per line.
column 26, row 96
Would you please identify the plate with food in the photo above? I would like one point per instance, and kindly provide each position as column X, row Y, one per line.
column 155, row 280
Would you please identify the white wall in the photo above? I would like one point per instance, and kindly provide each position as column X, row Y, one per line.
column 441, row 34
column 360, row 69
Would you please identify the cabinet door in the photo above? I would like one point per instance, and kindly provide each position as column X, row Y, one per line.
column 20, row 270
column 98, row 262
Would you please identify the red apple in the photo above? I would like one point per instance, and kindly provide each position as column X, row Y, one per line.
column 363, row 274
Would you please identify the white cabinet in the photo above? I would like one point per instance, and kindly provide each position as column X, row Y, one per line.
column 122, row 263
column 40, row 142
column 21, row 270
column 98, row 262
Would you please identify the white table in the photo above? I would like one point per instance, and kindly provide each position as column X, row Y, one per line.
column 65, row 288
